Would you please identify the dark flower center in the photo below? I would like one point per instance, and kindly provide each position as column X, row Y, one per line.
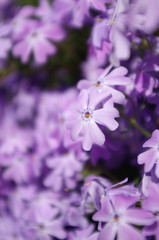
column 116, row 218
column 98, row 83
column 87, row 115
column 41, row 226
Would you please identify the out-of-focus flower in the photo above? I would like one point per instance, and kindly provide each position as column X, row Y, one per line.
column 151, row 157
column 93, row 189
column 38, row 41
column 118, row 215
column 84, row 234
column 62, row 175
column 151, row 203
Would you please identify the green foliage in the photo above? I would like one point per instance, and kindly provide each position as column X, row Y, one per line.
column 26, row 2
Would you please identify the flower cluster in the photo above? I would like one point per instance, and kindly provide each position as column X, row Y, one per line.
column 67, row 144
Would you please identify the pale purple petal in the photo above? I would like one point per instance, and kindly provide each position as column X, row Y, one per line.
column 139, row 217
column 126, row 232
column 153, row 141
column 97, row 97
column 42, row 49
column 18, row 51
column 121, row 202
column 55, row 229
column 106, row 118
column 77, row 127
column 157, row 169
column 92, row 134
column 100, row 5
column 54, row 32
column 5, row 47
column 148, row 158
column 94, row 236
column 118, row 96
column 121, row 45
column 84, row 84
column 109, row 232
column 106, row 211
column 105, row 72
column 118, row 72
column 83, row 99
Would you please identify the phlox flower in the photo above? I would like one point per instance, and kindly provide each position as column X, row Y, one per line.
column 11, row 228
column 62, row 174
column 118, row 216
column 75, row 12
column 143, row 16
column 45, row 225
column 151, row 203
column 88, row 117
column 151, row 157
column 93, row 188
column 104, row 80
column 38, row 41
column 45, row 11
column 84, row 234
column 16, row 163
column 20, row 24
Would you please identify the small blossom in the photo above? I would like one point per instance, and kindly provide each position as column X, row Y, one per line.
column 118, row 216
column 88, row 118
column 151, row 157
column 105, row 81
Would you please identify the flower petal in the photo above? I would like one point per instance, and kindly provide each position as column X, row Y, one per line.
column 105, row 117
column 139, row 217
column 126, row 232
column 76, row 129
column 106, row 211
column 148, row 158
column 92, row 134
column 109, row 232
column 153, row 141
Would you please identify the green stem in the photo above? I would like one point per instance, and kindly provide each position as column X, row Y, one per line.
column 134, row 123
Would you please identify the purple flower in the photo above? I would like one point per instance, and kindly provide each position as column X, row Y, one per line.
column 84, row 234
column 45, row 11
column 143, row 15
column 88, row 117
column 44, row 225
column 118, row 216
column 17, row 163
column 37, row 41
column 151, row 203
column 11, row 229
column 62, row 174
column 92, row 191
column 151, row 157
column 104, row 80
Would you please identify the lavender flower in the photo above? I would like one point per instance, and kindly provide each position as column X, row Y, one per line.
column 104, row 80
column 37, row 41
column 88, row 117
column 150, row 157
column 118, row 215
